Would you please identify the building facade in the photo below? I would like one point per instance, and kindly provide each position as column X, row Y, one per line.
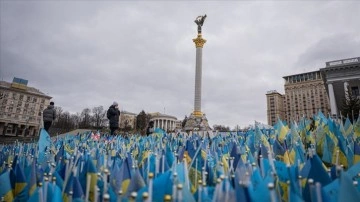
column 340, row 77
column 164, row 121
column 325, row 90
column 275, row 106
column 21, row 108
column 305, row 95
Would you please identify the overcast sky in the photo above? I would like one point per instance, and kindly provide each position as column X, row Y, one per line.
column 141, row 54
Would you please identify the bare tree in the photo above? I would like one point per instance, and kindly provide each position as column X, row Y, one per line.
column 58, row 111
column 98, row 116
column 85, row 118
column 75, row 119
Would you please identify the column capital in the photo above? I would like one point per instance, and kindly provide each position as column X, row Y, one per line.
column 199, row 41
column 198, row 113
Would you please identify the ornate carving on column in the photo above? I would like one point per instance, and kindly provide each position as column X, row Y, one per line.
column 199, row 41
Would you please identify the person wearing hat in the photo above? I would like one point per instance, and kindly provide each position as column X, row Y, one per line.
column 113, row 115
column 49, row 115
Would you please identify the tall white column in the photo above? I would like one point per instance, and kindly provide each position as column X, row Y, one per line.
column 199, row 43
column 165, row 124
column 346, row 90
column 332, row 99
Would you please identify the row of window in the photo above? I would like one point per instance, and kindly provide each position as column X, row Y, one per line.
column 21, row 97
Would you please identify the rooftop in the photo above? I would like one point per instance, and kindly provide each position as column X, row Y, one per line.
column 27, row 89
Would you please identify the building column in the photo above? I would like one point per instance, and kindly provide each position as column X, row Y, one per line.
column 332, row 99
column 346, row 90
column 24, row 131
column 5, row 129
column 16, row 130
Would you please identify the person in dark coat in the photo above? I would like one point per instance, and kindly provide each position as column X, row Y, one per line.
column 49, row 115
column 150, row 128
column 113, row 115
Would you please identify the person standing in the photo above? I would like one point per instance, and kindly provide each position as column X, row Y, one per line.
column 150, row 128
column 49, row 115
column 113, row 115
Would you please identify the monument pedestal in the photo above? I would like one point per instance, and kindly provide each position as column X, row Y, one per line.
column 199, row 123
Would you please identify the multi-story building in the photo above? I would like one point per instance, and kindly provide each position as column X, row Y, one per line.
column 21, row 108
column 305, row 95
column 341, row 76
column 275, row 106
column 325, row 90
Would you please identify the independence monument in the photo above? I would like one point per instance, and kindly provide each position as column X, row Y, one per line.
column 197, row 120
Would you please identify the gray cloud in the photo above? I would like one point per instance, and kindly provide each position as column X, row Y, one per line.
column 141, row 54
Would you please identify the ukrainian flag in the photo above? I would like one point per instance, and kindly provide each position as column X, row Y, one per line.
column 91, row 171
column 32, row 178
column 348, row 128
column 21, row 189
column 357, row 128
column 5, row 184
column 356, row 153
column 282, row 131
column 125, row 175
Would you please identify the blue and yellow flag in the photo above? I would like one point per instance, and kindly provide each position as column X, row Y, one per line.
column 5, row 184
column 21, row 188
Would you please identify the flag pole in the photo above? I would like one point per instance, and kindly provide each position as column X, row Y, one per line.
column 88, row 179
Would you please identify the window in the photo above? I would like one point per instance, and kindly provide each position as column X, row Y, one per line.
column 28, row 99
column 42, row 101
column 14, row 96
column 21, row 97
column 355, row 91
column 34, row 100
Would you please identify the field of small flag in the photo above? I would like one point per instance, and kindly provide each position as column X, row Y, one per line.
column 312, row 160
